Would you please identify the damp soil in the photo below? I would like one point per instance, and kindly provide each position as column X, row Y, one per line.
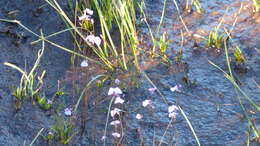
column 207, row 97
column 19, row 128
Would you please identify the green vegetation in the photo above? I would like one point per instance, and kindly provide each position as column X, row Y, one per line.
column 62, row 130
column 257, row 5
column 239, row 56
column 214, row 40
column 194, row 3
column 29, row 86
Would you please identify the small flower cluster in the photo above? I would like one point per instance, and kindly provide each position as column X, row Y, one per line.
column 87, row 13
column 172, row 111
column 115, row 92
column 176, row 88
column 84, row 63
column 152, row 90
column 68, row 111
column 87, row 17
column 94, row 40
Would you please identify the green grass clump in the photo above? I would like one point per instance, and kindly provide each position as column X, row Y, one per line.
column 215, row 40
column 120, row 15
column 194, row 3
column 238, row 55
column 43, row 102
column 29, row 87
column 62, row 130
column 163, row 45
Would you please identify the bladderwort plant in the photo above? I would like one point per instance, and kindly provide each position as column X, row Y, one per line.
column 179, row 54
column 159, row 41
column 239, row 55
column 29, row 86
column 194, row 3
column 168, row 103
column 214, row 40
column 122, row 13
column 257, row 5
column 62, row 130
column 163, row 45
column 43, row 102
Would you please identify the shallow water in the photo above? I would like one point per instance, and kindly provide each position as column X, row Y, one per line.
column 210, row 103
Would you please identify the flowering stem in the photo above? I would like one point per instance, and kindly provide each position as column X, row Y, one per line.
column 109, row 109
column 165, row 131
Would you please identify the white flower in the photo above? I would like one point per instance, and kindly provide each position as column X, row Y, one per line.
column 116, row 135
column 84, row 63
column 88, row 11
column 176, row 88
column 49, row 101
column 90, row 38
column 172, row 108
column 117, row 81
column 139, row 116
column 114, row 91
column 172, row 111
column 84, row 17
column 68, row 111
column 50, row 133
column 98, row 41
column 146, row 102
column 93, row 39
column 92, row 21
column 114, row 112
column 172, row 115
column 103, row 138
column 152, row 90
column 119, row 100
column 114, row 123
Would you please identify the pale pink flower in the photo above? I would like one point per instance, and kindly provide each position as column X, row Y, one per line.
column 88, row 11
column 176, row 88
column 98, row 41
column 172, row 115
column 93, row 39
column 117, row 81
column 119, row 100
column 86, row 15
column 114, row 123
column 116, row 135
column 172, row 108
column 139, row 116
column 103, row 138
column 91, row 21
column 114, row 91
column 68, row 111
column 146, row 103
column 114, row 112
column 84, row 63
column 49, row 101
column 172, row 111
column 152, row 90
